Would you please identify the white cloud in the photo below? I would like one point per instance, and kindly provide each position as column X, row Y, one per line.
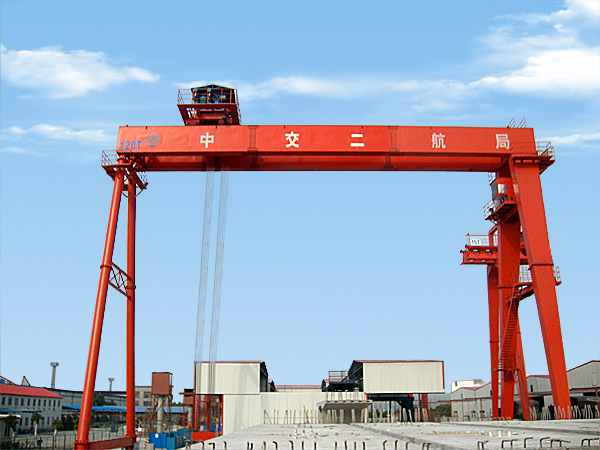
column 555, row 73
column 529, row 55
column 295, row 85
column 59, row 74
column 62, row 133
column 582, row 10
column 579, row 8
column 18, row 151
column 573, row 139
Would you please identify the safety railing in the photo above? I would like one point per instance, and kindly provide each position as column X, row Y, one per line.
column 491, row 206
column 206, row 95
column 109, row 158
column 338, row 375
column 545, row 148
column 525, row 275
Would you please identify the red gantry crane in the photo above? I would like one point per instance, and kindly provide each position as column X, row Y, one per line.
column 506, row 350
column 212, row 139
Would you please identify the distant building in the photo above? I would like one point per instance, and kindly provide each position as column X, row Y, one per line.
column 472, row 403
column 475, row 402
column 243, row 395
column 143, row 396
column 109, row 398
column 24, row 401
column 454, row 385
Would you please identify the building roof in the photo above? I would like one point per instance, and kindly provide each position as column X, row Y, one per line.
column 392, row 361
column 234, row 362
column 473, row 388
column 26, row 391
column 584, row 364
column 5, row 380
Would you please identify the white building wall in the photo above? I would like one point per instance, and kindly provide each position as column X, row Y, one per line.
column 232, row 378
column 49, row 409
column 471, row 404
column 404, row 377
column 241, row 412
column 454, row 385
column 536, row 384
column 291, row 407
column 246, row 410
column 585, row 376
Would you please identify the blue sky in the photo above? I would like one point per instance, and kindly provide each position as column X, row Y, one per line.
column 320, row 268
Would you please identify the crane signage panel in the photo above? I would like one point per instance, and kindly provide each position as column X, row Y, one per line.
column 343, row 139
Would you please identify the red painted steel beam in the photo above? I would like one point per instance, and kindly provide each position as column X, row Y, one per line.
column 130, row 289
column 494, row 323
column 486, row 254
column 324, row 148
column 87, row 398
column 124, row 442
column 535, row 232
column 508, row 276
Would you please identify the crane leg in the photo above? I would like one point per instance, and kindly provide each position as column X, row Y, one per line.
column 509, row 253
column 492, row 278
column 530, row 203
column 130, row 290
column 87, row 398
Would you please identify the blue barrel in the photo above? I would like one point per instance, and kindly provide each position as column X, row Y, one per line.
column 170, row 443
column 158, row 439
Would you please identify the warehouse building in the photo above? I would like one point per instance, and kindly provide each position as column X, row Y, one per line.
column 368, row 391
column 475, row 402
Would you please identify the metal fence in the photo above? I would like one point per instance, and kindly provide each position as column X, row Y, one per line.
column 60, row 440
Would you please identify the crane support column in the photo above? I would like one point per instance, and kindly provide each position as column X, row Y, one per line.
column 493, row 306
column 130, row 290
column 528, row 190
column 87, row 398
column 522, row 378
column 509, row 254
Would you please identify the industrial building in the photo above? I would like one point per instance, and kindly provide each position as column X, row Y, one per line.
column 143, row 396
column 475, row 402
column 28, row 404
column 242, row 395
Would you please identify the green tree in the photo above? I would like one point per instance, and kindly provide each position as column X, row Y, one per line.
column 11, row 422
column 57, row 424
column 443, row 410
column 35, row 418
column 99, row 399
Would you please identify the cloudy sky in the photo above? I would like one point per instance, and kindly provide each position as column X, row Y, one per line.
column 320, row 268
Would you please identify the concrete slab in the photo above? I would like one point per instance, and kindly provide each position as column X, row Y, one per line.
column 446, row 436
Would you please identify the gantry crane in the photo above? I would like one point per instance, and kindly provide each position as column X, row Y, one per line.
column 212, row 139
column 506, row 349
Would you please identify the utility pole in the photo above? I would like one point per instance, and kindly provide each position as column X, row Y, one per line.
column 110, row 380
column 54, row 365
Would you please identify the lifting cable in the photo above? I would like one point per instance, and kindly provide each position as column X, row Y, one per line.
column 202, row 286
column 216, row 305
column 218, row 279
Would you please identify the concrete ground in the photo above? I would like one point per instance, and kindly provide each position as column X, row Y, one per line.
column 448, row 436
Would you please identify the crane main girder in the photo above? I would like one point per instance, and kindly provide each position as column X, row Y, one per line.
column 326, row 148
